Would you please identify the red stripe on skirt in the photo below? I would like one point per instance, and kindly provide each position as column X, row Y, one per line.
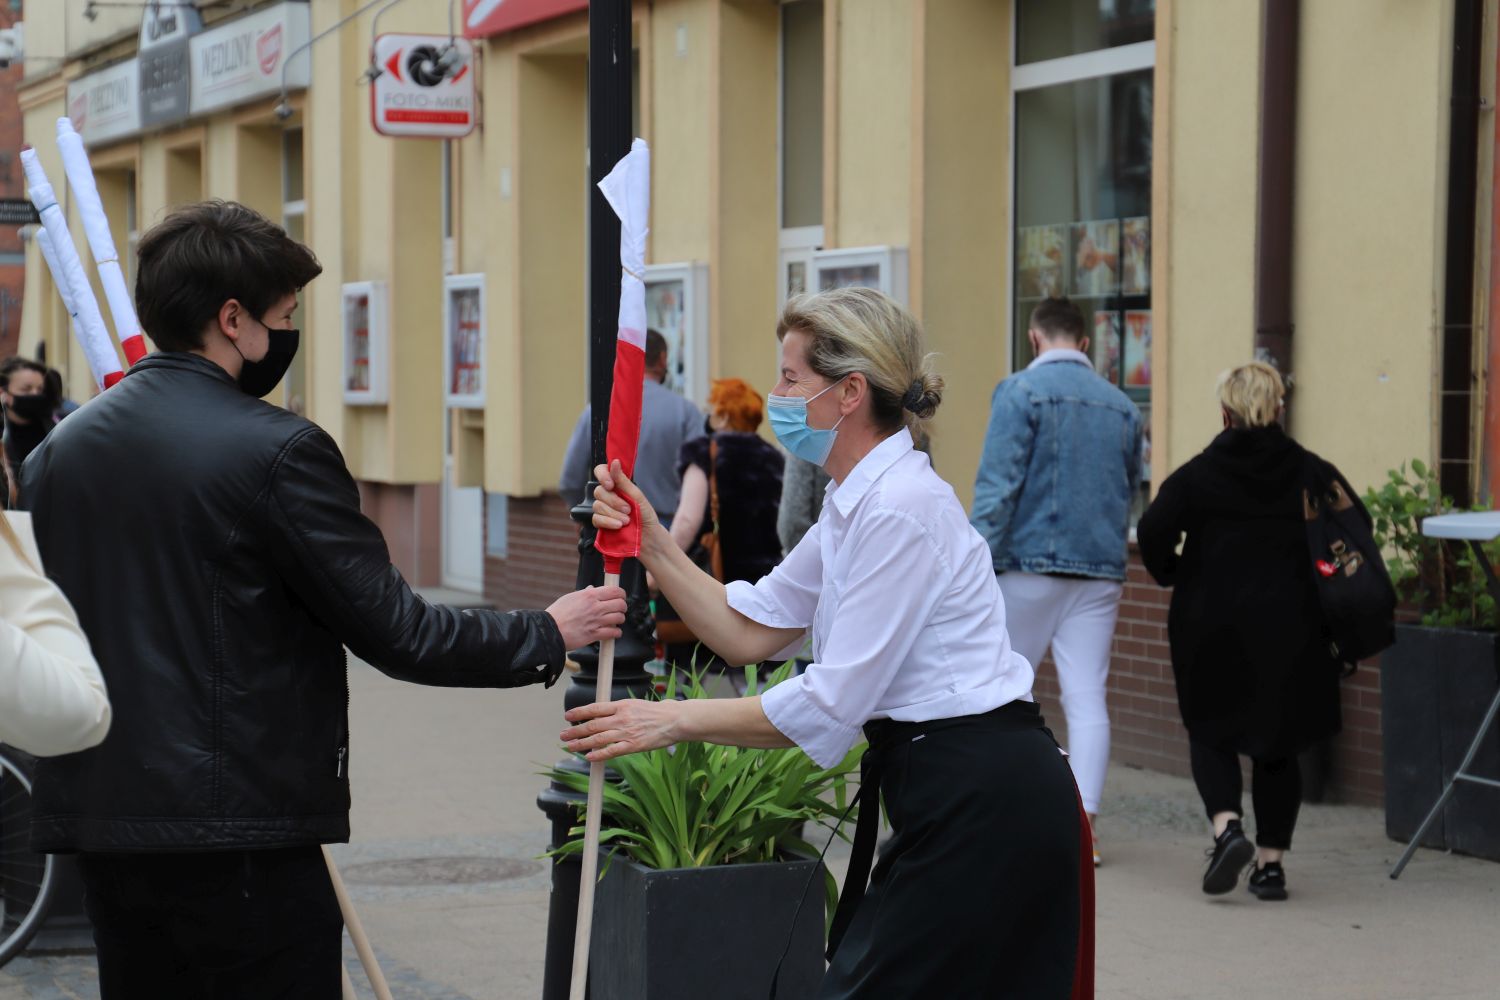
column 1083, row 968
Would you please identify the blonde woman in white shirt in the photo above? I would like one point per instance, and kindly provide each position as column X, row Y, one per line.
column 52, row 697
column 985, row 887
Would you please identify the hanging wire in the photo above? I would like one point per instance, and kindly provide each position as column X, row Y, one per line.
column 283, row 109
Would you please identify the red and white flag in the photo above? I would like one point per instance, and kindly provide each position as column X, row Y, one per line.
column 628, row 191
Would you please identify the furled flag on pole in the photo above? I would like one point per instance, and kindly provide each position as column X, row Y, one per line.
column 103, row 361
column 628, row 191
column 101, row 241
column 69, row 273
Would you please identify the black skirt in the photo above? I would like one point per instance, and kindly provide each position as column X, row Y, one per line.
column 985, row 889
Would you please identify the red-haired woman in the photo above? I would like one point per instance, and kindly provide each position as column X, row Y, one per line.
column 744, row 469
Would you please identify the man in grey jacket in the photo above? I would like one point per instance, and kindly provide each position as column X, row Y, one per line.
column 668, row 421
column 1061, row 463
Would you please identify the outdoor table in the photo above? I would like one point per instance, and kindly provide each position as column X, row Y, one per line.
column 1475, row 528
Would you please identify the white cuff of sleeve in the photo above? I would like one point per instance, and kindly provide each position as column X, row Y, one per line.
column 790, row 709
column 742, row 596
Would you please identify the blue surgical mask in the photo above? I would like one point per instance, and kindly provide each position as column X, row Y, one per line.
column 789, row 422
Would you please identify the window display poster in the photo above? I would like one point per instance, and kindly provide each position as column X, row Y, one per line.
column 665, row 313
column 1096, row 258
column 857, row 276
column 1135, row 271
column 1041, row 258
column 1106, row 345
column 1138, row 349
column 357, row 323
column 465, row 376
column 796, row 279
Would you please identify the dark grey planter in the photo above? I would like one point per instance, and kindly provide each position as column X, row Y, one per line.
column 695, row 933
column 1436, row 684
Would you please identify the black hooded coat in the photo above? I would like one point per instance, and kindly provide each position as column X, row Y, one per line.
column 1253, row 668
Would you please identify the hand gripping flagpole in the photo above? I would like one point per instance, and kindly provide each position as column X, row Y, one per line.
column 68, row 273
column 101, row 241
column 628, row 190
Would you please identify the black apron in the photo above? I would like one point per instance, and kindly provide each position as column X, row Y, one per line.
column 986, row 887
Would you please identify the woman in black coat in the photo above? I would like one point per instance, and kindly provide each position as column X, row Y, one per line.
column 1253, row 668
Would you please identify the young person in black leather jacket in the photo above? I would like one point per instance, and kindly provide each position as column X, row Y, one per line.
column 214, row 549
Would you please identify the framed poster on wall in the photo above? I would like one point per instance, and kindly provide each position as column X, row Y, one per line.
column 677, row 308
column 883, row 268
column 366, row 348
column 463, row 341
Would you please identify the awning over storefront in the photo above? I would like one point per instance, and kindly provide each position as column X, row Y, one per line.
column 483, row 18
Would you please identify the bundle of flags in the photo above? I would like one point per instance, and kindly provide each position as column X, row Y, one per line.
column 56, row 243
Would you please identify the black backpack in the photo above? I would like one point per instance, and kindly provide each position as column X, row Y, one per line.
column 1359, row 603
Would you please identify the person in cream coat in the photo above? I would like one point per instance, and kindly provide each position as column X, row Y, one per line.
column 52, row 696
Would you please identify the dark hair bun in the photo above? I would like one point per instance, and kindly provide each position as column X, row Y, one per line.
column 923, row 396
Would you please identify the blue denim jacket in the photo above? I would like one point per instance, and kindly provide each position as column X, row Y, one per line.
column 1062, row 460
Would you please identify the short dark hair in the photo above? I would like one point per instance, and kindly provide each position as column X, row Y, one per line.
column 203, row 255
column 12, row 365
column 1058, row 317
column 656, row 348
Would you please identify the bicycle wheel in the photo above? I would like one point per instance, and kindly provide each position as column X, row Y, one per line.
column 26, row 877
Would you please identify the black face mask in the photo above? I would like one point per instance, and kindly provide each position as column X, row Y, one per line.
column 258, row 378
column 37, row 407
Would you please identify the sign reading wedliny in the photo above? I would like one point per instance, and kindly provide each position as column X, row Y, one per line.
column 105, row 105
column 165, row 32
column 240, row 60
column 423, row 88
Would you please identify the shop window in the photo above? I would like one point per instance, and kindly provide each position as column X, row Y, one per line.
column 1082, row 158
column 801, row 142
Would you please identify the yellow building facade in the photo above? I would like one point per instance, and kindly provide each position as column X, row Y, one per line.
column 965, row 154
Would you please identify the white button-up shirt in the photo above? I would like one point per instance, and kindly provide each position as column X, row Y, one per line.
column 900, row 594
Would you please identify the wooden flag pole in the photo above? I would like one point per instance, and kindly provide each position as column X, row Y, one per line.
column 592, row 816
column 357, row 932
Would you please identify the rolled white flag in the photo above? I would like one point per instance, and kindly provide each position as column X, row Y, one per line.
column 91, row 329
column 103, row 361
column 101, row 241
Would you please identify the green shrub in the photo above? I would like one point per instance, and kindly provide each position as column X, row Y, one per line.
column 1438, row 578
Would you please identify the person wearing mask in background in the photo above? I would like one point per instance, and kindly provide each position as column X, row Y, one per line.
column 215, row 551
column 52, row 696
column 1254, row 673
column 1061, row 463
column 30, row 408
column 740, row 471
column 668, row 421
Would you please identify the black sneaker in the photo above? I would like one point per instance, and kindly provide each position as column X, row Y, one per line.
column 1230, row 854
column 1268, row 881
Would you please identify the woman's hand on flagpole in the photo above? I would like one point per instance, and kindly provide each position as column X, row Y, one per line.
column 611, row 508
column 610, row 729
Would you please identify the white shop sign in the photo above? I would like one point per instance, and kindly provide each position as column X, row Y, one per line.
column 413, row 96
column 243, row 59
column 106, row 105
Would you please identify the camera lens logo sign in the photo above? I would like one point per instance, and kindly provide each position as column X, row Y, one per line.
column 425, row 86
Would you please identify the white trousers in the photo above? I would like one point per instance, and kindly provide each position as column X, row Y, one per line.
column 1076, row 618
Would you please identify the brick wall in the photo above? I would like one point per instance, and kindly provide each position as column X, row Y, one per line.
column 541, row 563
column 1146, row 727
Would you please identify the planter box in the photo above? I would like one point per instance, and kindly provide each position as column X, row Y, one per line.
column 695, row 933
column 1436, row 685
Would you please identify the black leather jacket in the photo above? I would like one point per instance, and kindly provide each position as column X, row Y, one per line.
column 214, row 549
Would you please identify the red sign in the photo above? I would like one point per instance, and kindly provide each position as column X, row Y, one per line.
column 483, row 18
column 424, row 88
column 268, row 49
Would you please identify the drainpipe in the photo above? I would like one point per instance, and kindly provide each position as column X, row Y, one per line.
column 1276, row 179
column 1458, row 377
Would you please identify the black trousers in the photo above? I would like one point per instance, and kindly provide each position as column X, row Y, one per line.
column 985, row 889
column 1275, row 791
column 230, row 925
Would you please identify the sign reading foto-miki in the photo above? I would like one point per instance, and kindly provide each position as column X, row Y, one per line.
column 422, row 89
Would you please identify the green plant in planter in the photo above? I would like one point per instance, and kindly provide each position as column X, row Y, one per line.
column 1440, row 579
column 693, row 805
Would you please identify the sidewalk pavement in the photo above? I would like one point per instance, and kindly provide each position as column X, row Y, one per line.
column 445, row 873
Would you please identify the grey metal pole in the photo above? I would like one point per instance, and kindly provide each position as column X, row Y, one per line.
column 610, row 82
